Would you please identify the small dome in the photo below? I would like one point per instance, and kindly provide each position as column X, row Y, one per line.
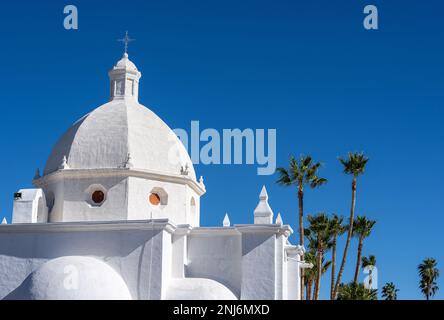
column 125, row 63
column 105, row 137
column 198, row 289
column 73, row 278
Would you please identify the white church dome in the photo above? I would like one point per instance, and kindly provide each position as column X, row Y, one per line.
column 125, row 63
column 121, row 130
column 73, row 278
column 198, row 289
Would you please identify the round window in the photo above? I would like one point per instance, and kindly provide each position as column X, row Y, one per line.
column 154, row 199
column 98, row 197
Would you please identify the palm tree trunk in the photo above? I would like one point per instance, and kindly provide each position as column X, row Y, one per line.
column 349, row 235
column 358, row 261
column 319, row 273
column 309, row 289
column 301, row 233
column 333, row 268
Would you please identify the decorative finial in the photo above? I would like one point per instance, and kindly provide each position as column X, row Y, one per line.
column 126, row 40
column 263, row 214
column 64, row 164
column 128, row 164
column 4, row 221
column 279, row 219
column 37, row 174
column 184, row 170
column 264, row 194
column 226, row 222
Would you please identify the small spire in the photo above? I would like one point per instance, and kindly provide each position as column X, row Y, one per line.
column 4, row 221
column 279, row 219
column 37, row 174
column 226, row 222
column 128, row 164
column 184, row 170
column 263, row 213
column 264, row 194
column 64, row 164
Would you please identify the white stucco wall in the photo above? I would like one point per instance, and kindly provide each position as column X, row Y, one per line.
column 216, row 253
column 258, row 266
column 135, row 253
column 177, row 209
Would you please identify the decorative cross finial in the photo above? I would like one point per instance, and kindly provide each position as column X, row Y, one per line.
column 126, row 40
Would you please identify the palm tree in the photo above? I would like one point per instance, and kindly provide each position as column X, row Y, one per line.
column 369, row 262
column 356, row 291
column 355, row 166
column 389, row 291
column 429, row 273
column 336, row 229
column 311, row 274
column 362, row 229
column 318, row 232
column 301, row 173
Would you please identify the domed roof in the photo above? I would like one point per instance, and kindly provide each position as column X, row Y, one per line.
column 73, row 278
column 198, row 289
column 105, row 137
column 125, row 63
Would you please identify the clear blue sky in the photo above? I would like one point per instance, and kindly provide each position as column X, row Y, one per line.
column 306, row 68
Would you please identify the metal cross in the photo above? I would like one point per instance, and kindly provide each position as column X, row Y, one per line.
column 126, row 40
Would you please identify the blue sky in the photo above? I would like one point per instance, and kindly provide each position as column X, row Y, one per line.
column 307, row 68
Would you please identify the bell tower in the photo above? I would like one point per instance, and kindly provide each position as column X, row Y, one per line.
column 124, row 77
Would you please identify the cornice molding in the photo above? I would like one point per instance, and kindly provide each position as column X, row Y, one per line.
column 118, row 172
column 89, row 226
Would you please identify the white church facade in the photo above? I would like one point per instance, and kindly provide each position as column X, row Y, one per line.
column 116, row 215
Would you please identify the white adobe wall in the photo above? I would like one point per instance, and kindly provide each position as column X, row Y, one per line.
column 139, row 255
column 177, row 208
column 216, row 253
column 73, row 199
column 30, row 207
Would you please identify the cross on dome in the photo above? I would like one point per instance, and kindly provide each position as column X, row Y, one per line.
column 126, row 40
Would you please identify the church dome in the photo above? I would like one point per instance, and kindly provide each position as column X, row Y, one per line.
column 121, row 133
column 125, row 63
column 198, row 289
column 73, row 278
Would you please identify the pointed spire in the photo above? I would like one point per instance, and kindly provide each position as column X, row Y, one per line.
column 226, row 222
column 263, row 213
column 184, row 170
column 37, row 174
column 4, row 221
column 279, row 219
column 201, row 182
column 64, row 164
column 264, row 194
column 128, row 164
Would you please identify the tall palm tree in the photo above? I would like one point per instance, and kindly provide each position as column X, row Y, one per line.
column 318, row 232
column 428, row 273
column 362, row 229
column 370, row 262
column 336, row 229
column 356, row 291
column 301, row 173
column 389, row 291
column 354, row 165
